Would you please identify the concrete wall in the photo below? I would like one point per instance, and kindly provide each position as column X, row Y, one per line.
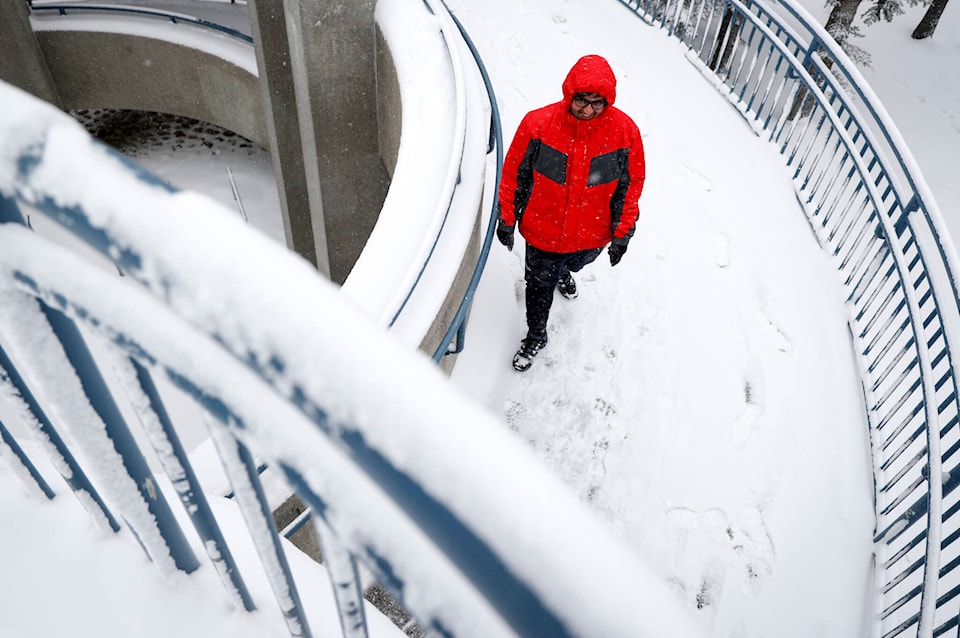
column 117, row 71
column 389, row 105
column 339, row 73
column 451, row 304
column 21, row 62
column 290, row 126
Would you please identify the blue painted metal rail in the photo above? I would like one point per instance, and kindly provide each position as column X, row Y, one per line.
column 148, row 12
column 458, row 326
column 870, row 208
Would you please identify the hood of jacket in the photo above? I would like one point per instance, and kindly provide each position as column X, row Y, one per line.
column 591, row 74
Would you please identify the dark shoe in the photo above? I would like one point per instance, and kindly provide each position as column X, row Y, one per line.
column 529, row 348
column 567, row 286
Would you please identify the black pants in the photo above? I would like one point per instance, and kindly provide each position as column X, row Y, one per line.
column 542, row 272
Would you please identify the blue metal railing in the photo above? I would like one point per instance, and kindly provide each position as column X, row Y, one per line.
column 870, row 208
column 452, row 183
column 458, row 326
column 89, row 9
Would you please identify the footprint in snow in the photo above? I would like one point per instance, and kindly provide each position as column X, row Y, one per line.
column 695, row 178
column 780, row 340
column 712, row 551
column 711, row 586
column 562, row 21
column 745, row 424
column 742, row 428
column 721, row 250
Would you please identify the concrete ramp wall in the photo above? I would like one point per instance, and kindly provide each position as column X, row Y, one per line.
column 154, row 66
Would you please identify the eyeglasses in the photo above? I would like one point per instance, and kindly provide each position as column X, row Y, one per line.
column 582, row 102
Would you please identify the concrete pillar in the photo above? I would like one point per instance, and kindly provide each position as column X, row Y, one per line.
column 290, row 131
column 340, row 40
column 318, row 63
column 21, row 61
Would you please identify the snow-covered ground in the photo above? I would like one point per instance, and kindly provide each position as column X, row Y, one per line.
column 673, row 392
column 701, row 396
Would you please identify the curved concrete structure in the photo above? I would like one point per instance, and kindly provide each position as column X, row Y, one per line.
column 22, row 62
column 95, row 69
column 139, row 58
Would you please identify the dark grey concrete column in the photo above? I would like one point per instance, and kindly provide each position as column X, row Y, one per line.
column 290, row 131
column 340, row 41
column 21, row 61
column 319, row 58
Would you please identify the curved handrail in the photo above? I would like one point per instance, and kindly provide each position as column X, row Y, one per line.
column 458, row 325
column 860, row 188
column 450, row 179
column 425, row 232
column 64, row 9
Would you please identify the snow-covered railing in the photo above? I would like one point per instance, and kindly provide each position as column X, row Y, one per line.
column 870, row 207
column 91, row 9
column 452, row 341
column 429, row 220
column 406, row 477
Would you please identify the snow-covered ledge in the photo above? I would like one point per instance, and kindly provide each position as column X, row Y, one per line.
column 414, row 269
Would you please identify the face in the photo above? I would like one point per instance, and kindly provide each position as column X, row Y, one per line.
column 586, row 106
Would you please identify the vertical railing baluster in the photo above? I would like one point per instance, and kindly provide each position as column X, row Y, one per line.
column 22, row 465
column 345, row 579
column 56, row 449
column 250, row 498
column 35, row 417
column 133, row 464
column 341, row 565
column 138, row 383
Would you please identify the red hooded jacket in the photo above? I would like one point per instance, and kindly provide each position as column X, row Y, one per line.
column 574, row 184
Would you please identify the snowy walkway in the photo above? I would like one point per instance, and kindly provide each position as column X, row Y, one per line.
column 702, row 395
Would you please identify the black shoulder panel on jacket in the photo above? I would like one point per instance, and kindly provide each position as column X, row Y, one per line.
column 552, row 164
column 608, row 167
column 525, row 178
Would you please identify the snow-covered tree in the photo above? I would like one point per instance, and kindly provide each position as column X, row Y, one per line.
column 841, row 28
column 930, row 20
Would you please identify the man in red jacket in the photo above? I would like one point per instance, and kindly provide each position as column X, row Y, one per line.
column 571, row 179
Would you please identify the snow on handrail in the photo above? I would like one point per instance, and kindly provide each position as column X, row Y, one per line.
column 458, row 325
column 452, row 176
column 459, row 520
column 91, row 9
column 427, row 222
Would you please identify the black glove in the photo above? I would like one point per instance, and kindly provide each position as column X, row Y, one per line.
column 505, row 234
column 616, row 253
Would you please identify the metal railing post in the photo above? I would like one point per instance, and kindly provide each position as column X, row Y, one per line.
column 26, row 465
column 248, row 493
column 62, row 458
column 156, row 422
column 135, row 466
